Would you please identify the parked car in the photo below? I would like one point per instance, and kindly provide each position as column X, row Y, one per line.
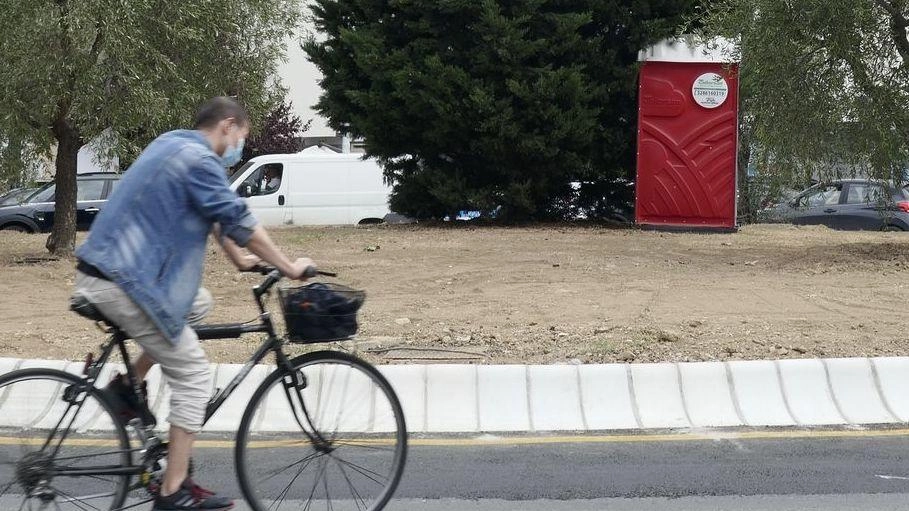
column 16, row 196
column 37, row 213
column 611, row 200
column 848, row 204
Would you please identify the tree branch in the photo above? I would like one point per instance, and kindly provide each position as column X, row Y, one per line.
column 898, row 25
column 99, row 39
column 65, row 102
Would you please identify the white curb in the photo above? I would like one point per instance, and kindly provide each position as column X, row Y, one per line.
column 893, row 382
column 606, row 396
column 658, row 396
column 757, row 390
column 708, row 396
column 476, row 399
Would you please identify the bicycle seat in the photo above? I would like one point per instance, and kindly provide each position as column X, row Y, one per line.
column 83, row 307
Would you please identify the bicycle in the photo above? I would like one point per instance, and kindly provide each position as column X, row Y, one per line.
column 76, row 454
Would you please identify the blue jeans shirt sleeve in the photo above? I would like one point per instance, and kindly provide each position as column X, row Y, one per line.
column 212, row 196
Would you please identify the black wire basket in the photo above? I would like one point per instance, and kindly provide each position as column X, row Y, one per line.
column 320, row 311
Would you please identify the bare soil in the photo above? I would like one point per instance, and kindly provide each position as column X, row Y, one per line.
column 471, row 294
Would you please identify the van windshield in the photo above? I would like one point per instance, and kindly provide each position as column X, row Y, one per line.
column 236, row 175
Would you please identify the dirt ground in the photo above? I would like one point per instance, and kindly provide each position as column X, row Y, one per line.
column 541, row 295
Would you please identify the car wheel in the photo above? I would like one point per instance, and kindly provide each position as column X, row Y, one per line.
column 16, row 228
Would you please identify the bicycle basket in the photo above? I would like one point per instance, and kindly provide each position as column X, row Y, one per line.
column 320, row 312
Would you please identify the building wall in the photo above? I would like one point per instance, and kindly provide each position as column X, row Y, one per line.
column 301, row 77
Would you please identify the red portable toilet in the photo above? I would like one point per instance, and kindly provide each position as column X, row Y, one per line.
column 687, row 136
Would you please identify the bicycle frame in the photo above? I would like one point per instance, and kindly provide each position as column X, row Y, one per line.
column 151, row 448
column 272, row 343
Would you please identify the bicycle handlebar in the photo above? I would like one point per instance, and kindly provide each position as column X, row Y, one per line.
column 267, row 269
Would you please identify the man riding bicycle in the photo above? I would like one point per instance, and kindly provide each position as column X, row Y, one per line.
column 142, row 264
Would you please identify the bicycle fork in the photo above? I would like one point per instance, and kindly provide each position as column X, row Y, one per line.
column 294, row 383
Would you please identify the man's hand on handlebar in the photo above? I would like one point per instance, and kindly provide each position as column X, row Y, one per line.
column 247, row 262
column 303, row 268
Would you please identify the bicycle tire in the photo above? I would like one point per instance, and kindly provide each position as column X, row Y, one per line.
column 94, row 444
column 321, row 369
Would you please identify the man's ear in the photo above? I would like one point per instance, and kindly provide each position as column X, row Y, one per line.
column 225, row 125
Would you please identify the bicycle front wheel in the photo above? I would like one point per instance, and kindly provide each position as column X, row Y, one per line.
column 336, row 437
column 61, row 446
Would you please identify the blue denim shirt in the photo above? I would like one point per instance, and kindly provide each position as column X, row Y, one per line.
column 150, row 238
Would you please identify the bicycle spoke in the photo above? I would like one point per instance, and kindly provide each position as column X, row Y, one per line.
column 283, row 493
column 341, row 407
column 320, row 411
column 315, row 485
column 24, row 500
column 5, row 489
column 74, row 500
column 325, row 485
column 95, row 455
column 91, row 497
column 277, row 471
column 351, row 406
column 364, row 471
column 353, row 490
column 364, row 446
column 100, row 478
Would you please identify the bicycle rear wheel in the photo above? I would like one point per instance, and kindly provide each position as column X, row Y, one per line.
column 347, row 451
column 59, row 443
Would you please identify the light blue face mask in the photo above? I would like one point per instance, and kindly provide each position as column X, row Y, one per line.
column 233, row 154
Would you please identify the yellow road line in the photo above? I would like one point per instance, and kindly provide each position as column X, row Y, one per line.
column 489, row 440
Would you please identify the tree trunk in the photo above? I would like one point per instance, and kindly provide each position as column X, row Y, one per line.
column 62, row 240
column 746, row 199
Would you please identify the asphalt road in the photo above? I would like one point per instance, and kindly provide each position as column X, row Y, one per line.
column 775, row 471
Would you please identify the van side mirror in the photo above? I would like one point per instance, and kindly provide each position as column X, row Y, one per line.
column 245, row 190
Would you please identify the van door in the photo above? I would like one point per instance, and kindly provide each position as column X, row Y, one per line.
column 319, row 192
column 368, row 193
column 265, row 190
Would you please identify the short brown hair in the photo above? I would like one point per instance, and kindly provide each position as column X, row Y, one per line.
column 217, row 109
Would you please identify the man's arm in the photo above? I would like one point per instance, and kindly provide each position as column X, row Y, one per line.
column 260, row 243
column 212, row 195
column 241, row 259
column 263, row 247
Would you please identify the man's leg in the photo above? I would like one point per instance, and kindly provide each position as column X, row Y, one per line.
column 179, row 451
column 184, row 366
column 201, row 305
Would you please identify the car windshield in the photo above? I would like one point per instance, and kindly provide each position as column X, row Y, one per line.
column 44, row 194
column 236, row 175
column 15, row 196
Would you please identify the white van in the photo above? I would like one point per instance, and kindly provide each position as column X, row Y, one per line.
column 313, row 189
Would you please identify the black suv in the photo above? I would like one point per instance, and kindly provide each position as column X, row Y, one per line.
column 36, row 214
